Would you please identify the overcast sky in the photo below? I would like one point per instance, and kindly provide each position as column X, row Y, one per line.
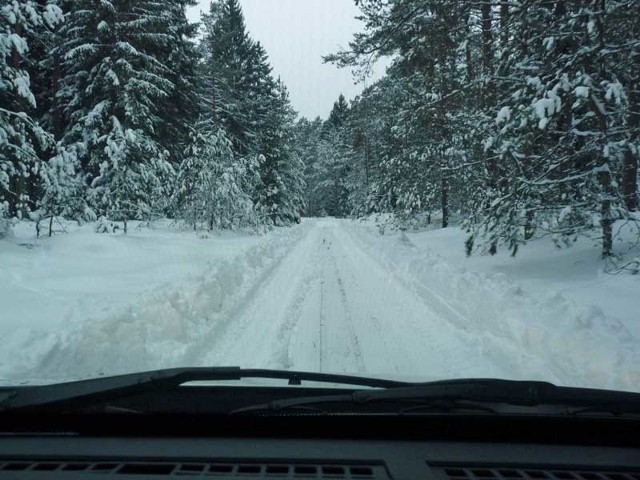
column 295, row 34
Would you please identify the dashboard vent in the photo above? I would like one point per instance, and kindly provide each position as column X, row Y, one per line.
column 186, row 470
column 507, row 473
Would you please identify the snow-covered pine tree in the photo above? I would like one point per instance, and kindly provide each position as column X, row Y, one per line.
column 522, row 116
column 212, row 182
column 280, row 195
column 334, row 161
column 325, row 148
column 242, row 97
column 561, row 131
column 426, row 85
column 21, row 138
column 229, row 57
column 307, row 135
column 179, row 110
column 291, row 203
column 115, row 87
column 62, row 189
column 338, row 116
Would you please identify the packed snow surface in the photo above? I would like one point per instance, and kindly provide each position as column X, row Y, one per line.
column 327, row 295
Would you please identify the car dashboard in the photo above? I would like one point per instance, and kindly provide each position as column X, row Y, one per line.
column 319, row 447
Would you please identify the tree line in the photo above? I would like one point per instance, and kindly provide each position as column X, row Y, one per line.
column 122, row 109
column 520, row 118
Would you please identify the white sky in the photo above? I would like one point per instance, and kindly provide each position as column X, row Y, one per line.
column 295, row 34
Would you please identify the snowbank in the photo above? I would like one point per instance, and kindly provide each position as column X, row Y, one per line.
column 120, row 304
column 582, row 344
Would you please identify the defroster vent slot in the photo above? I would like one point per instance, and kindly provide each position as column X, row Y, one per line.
column 212, row 470
column 466, row 472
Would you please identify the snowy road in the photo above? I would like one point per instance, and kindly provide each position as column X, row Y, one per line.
column 329, row 306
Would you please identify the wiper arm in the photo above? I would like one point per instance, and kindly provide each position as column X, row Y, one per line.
column 85, row 393
column 488, row 391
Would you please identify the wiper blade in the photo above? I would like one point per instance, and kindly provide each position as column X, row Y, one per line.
column 85, row 393
column 478, row 391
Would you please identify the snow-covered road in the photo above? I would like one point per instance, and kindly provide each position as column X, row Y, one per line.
column 330, row 306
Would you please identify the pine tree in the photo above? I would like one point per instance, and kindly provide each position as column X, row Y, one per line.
column 307, row 134
column 21, row 138
column 253, row 109
column 213, row 183
column 425, row 88
column 338, row 116
column 522, row 117
column 179, row 110
column 229, row 59
column 560, row 130
column 115, row 85
column 281, row 192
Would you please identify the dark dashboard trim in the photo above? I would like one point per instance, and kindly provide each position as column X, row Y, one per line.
column 615, row 432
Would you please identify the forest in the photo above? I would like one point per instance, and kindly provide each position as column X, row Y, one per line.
column 515, row 119
column 120, row 110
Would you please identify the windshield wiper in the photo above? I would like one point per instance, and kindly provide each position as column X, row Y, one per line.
column 479, row 391
column 464, row 394
column 85, row 393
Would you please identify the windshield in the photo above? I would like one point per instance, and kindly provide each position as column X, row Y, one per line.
column 402, row 189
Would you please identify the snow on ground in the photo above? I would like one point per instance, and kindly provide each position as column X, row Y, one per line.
column 60, row 293
column 327, row 295
column 546, row 303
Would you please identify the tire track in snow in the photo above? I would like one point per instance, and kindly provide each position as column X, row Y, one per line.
column 197, row 350
column 292, row 319
column 324, row 338
column 321, row 326
column 348, row 317
column 254, row 330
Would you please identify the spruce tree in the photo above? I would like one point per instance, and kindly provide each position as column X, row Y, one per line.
column 22, row 140
column 212, row 182
column 115, row 85
column 229, row 58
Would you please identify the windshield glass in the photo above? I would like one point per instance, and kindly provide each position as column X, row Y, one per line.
column 404, row 189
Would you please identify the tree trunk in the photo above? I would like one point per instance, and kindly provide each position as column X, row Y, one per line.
column 529, row 228
column 57, row 108
column 504, row 25
column 629, row 181
column 607, row 230
column 605, row 172
column 504, row 37
column 367, row 152
column 487, row 37
column 489, row 86
column 445, row 202
column 214, row 105
column 471, row 75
